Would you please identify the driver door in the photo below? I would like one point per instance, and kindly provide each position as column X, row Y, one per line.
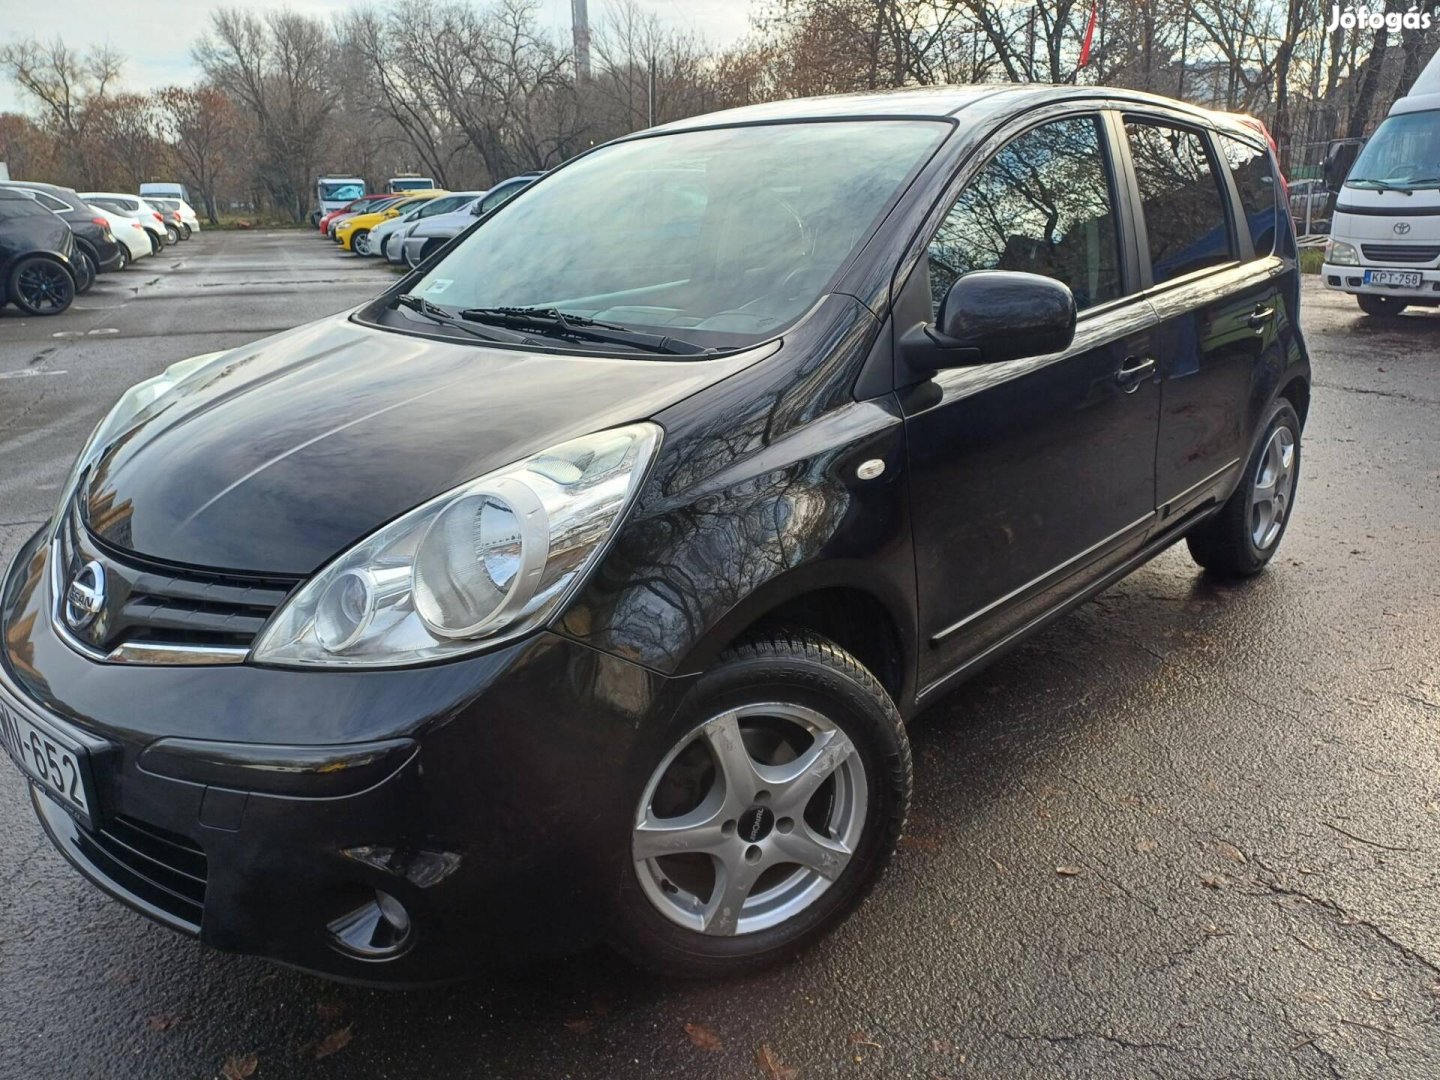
column 1030, row 478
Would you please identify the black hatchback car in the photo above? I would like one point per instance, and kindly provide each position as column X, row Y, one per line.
column 584, row 581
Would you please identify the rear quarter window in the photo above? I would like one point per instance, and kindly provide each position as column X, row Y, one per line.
column 1259, row 192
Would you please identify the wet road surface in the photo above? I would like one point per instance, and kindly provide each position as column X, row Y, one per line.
column 1241, row 785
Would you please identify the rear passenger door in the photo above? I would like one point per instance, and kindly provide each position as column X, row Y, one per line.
column 1029, row 479
column 1216, row 298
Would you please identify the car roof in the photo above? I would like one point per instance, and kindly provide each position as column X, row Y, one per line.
column 984, row 101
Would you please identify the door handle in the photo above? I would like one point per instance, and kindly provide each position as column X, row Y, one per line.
column 1132, row 370
column 1260, row 316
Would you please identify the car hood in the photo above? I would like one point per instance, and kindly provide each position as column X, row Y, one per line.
column 285, row 452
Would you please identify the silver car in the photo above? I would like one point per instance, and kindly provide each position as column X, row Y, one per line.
column 394, row 230
column 429, row 236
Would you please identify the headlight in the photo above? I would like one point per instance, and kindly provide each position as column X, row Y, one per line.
column 1339, row 253
column 486, row 562
column 139, row 401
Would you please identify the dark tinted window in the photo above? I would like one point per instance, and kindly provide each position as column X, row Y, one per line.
column 10, row 209
column 1184, row 211
column 1042, row 204
column 1259, row 197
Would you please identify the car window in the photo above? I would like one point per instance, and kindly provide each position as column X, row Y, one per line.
column 441, row 206
column 1259, row 197
column 49, row 202
column 10, row 209
column 1042, row 204
column 501, row 195
column 1184, row 211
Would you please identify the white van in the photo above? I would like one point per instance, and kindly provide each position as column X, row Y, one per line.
column 1384, row 242
column 167, row 189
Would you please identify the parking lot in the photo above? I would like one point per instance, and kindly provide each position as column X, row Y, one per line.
column 1190, row 831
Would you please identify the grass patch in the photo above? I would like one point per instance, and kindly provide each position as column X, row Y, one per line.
column 1311, row 259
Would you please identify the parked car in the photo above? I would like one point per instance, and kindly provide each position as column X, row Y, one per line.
column 584, row 581
column 431, row 235
column 134, row 240
column 37, row 268
column 357, row 206
column 133, row 206
column 399, row 227
column 1309, row 205
column 353, row 231
column 175, row 229
column 96, row 249
column 189, row 220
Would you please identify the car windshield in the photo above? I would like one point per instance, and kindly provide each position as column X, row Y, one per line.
column 337, row 192
column 1404, row 153
column 720, row 236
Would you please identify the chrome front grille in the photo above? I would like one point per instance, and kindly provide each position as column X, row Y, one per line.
column 160, row 613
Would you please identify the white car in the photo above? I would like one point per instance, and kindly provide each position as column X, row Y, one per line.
column 396, row 229
column 133, row 206
column 134, row 240
column 188, row 217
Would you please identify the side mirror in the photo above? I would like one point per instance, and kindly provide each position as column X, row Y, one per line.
column 994, row 315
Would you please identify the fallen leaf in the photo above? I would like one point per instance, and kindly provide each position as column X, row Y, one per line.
column 772, row 1066
column 329, row 1010
column 1214, row 881
column 580, row 1026
column 1230, row 851
column 861, row 1038
column 1145, row 846
column 240, row 1067
column 336, row 1041
column 162, row 1023
column 703, row 1037
column 1068, row 871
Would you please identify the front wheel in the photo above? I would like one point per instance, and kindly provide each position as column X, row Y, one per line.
column 1242, row 537
column 764, row 814
column 172, row 235
column 1380, row 307
column 360, row 242
column 185, row 232
column 40, row 286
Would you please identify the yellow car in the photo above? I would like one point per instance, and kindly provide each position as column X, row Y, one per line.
column 354, row 232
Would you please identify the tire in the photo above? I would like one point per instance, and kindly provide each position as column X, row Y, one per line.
column 791, row 695
column 157, row 245
column 40, row 286
column 185, row 232
column 172, row 235
column 360, row 242
column 1380, row 307
column 124, row 258
column 1239, row 540
column 86, row 271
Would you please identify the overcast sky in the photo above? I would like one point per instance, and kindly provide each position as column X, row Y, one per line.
column 155, row 35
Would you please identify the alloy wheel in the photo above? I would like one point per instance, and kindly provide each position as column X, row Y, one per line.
column 749, row 819
column 1270, row 495
column 44, row 287
column 360, row 243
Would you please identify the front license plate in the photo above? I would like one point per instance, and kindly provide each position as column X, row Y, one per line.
column 1404, row 279
column 54, row 763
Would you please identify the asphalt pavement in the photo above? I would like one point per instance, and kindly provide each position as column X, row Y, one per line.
column 1190, row 831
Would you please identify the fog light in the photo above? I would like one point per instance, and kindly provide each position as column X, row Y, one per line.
column 377, row 930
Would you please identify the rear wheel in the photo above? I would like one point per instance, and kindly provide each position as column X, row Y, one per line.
column 1381, row 307
column 764, row 814
column 86, row 270
column 1243, row 536
column 40, row 286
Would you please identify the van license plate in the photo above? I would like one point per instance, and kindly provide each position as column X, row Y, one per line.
column 1404, row 279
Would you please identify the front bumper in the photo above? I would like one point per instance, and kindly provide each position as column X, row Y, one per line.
column 257, row 808
column 1351, row 279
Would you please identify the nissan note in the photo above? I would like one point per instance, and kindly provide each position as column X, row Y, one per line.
column 582, row 584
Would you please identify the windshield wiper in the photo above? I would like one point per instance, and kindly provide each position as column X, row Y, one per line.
column 1380, row 185
column 559, row 324
column 446, row 317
